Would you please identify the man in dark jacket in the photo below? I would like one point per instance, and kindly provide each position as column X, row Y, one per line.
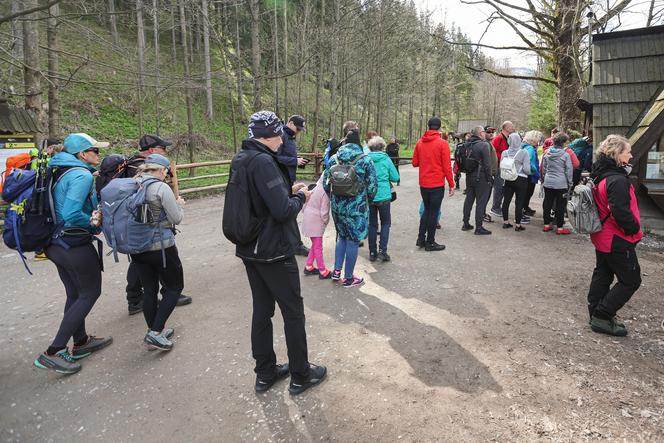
column 287, row 156
column 478, row 180
column 269, row 260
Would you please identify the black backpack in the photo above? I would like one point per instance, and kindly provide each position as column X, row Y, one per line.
column 458, row 157
column 470, row 163
column 116, row 166
column 240, row 223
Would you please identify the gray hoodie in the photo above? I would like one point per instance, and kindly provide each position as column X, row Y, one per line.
column 557, row 169
column 520, row 156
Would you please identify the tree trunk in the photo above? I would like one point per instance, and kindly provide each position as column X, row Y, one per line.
column 334, row 81
column 141, row 61
column 286, row 95
column 319, row 78
column 187, row 91
column 53, row 98
column 569, row 89
column 174, row 42
column 155, row 25
column 240, row 74
column 275, row 47
column 113, row 21
column 208, row 66
column 31, row 75
column 254, row 7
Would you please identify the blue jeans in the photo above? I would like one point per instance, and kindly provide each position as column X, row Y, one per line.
column 385, row 221
column 346, row 250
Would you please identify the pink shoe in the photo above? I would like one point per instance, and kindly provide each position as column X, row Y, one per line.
column 352, row 282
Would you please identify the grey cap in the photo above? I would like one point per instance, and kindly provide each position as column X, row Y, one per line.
column 158, row 159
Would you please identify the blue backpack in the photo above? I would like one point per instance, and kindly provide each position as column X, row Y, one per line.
column 30, row 221
column 128, row 225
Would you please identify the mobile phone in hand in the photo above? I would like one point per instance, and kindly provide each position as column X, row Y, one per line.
column 311, row 186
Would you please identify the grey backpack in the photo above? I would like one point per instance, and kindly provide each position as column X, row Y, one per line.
column 582, row 210
column 344, row 181
column 127, row 225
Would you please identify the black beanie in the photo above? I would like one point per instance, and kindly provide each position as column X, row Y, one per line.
column 265, row 124
column 434, row 123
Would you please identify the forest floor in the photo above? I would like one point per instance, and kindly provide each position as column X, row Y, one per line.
column 487, row 340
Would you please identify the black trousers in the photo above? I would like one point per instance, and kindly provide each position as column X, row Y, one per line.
column 529, row 194
column 432, row 198
column 134, row 287
column 277, row 282
column 554, row 199
column 150, row 267
column 477, row 192
column 80, row 272
column 603, row 300
column 518, row 188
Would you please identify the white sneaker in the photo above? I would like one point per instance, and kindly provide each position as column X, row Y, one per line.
column 496, row 213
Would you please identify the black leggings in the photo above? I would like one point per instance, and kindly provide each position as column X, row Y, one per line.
column 518, row 187
column 554, row 197
column 80, row 272
column 151, row 270
column 529, row 194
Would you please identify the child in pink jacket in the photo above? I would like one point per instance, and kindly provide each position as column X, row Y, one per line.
column 316, row 215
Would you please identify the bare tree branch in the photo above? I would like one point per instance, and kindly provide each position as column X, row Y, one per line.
column 518, row 77
column 18, row 14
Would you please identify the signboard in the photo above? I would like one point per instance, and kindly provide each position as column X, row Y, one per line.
column 11, row 145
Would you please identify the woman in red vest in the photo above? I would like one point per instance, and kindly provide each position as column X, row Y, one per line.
column 615, row 244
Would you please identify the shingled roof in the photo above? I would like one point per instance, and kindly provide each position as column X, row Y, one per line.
column 16, row 120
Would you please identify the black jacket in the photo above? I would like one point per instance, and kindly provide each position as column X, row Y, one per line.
column 481, row 151
column 287, row 154
column 271, row 199
column 618, row 192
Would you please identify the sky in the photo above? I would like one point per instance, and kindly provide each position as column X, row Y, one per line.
column 471, row 20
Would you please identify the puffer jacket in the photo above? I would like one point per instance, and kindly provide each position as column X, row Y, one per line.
column 617, row 206
column 386, row 173
column 316, row 212
column 557, row 171
column 432, row 156
column 351, row 214
column 74, row 194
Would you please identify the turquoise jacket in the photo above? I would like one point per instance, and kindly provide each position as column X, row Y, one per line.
column 385, row 173
column 74, row 195
column 534, row 162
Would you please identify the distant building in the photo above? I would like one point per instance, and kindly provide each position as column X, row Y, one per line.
column 18, row 131
column 626, row 96
column 468, row 125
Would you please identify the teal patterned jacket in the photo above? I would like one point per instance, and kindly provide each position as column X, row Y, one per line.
column 351, row 214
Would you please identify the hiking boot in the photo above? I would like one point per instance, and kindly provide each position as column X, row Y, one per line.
column 352, row 282
column 336, row 275
column 482, row 231
column 373, row 256
column 92, row 345
column 316, row 375
column 40, row 256
column 280, row 372
column 135, row 308
column 563, row 231
column 325, row 274
column 158, row 341
column 529, row 212
column 607, row 326
column 383, row 256
column 302, row 250
column 183, row 300
column 62, row 362
column 434, row 247
column 419, row 243
column 467, row 227
column 310, row 271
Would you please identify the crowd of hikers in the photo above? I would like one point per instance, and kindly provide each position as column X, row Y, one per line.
column 61, row 203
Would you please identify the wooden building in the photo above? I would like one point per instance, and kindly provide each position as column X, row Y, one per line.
column 626, row 96
column 18, row 131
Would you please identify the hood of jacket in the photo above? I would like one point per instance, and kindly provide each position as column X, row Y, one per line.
column 555, row 151
column 65, row 159
column 430, row 135
column 349, row 151
column 379, row 157
column 604, row 167
column 514, row 144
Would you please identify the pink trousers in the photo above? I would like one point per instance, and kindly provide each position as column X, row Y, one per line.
column 316, row 253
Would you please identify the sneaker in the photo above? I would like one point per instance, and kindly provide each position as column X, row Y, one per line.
column 482, row 231
column 166, row 332
column 563, row 231
column 434, row 247
column 547, row 228
column 419, row 243
column 183, row 300
column 158, row 341
column 135, row 308
column 280, row 372
column 352, row 282
column 467, row 227
column 62, row 362
column 92, row 345
column 519, row 228
column 529, row 212
column 373, row 256
column 40, row 256
column 316, row 375
column 496, row 213
column 383, row 256
column 607, row 326
column 325, row 274
column 507, row 225
column 310, row 271
column 336, row 275
column 525, row 220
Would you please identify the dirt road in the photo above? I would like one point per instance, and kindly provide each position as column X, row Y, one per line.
column 486, row 340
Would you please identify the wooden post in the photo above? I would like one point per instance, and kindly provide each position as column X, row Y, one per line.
column 174, row 180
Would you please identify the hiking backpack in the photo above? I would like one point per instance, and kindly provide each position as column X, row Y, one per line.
column 582, row 209
column 128, row 225
column 239, row 222
column 508, row 168
column 459, row 157
column 343, row 178
column 116, row 166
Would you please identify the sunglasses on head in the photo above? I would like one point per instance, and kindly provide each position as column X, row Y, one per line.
column 95, row 150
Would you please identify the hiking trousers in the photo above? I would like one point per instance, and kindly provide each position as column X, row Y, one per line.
column 432, row 199
column 80, row 272
column 277, row 282
column 151, row 270
column 382, row 211
column 517, row 189
column 554, row 199
column 134, row 287
column 604, row 301
column 477, row 192
column 498, row 185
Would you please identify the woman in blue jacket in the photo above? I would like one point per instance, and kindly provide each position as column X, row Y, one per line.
column 76, row 259
column 531, row 140
column 386, row 174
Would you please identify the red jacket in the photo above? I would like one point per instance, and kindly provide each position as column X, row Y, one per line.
column 547, row 143
column 499, row 143
column 432, row 156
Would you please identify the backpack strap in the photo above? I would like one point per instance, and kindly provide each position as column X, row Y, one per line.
column 358, row 158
